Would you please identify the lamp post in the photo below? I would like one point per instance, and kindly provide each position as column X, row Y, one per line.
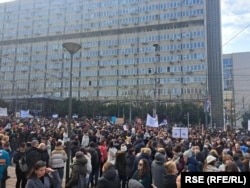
column 157, row 49
column 72, row 48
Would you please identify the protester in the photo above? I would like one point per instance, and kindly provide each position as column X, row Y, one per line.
column 190, row 162
column 20, row 175
column 87, row 155
column 109, row 177
column 40, row 177
column 120, row 164
column 210, row 164
column 57, row 159
column 169, row 179
column 4, row 163
column 79, row 167
column 33, row 154
column 157, row 167
column 203, row 143
column 142, row 174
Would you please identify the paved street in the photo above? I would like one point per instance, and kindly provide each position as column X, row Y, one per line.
column 11, row 183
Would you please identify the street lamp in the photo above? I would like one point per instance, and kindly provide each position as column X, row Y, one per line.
column 157, row 49
column 72, row 48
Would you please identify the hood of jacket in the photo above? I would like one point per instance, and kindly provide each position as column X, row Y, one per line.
column 110, row 173
column 159, row 158
column 81, row 161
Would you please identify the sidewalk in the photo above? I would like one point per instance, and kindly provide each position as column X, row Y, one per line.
column 11, row 182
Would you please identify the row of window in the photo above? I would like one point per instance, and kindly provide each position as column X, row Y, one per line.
column 168, row 92
column 48, row 9
column 139, row 9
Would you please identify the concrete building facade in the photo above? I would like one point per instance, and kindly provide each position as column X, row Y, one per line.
column 132, row 50
column 236, row 92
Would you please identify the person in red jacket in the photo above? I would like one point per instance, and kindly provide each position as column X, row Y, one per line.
column 104, row 154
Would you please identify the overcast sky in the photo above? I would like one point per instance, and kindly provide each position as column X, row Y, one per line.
column 235, row 17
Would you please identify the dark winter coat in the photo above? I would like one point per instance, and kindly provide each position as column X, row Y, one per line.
column 192, row 165
column 158, row 170
column 17, row 156
column 32, row 156
column 109, row 179
column 130, row 158
column 79, row 168
column 169, row 181
column 145, row 181
column 121, row 163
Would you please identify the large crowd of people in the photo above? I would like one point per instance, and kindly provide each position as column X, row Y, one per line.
column 115, row 156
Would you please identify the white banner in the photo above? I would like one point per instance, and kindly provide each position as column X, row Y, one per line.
column 248, row 125
column 179, row 132
column 25, row 114
column 152, row 122
column 3, row 112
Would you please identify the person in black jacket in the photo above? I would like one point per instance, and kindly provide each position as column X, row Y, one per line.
column 21, row 178
column 169, row 179
column 109, row 177
column 33, row 154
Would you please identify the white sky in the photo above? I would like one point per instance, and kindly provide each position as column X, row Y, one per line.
column 235, row 16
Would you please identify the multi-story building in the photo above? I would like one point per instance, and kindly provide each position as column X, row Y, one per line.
column 236, row 93
column 135, row 50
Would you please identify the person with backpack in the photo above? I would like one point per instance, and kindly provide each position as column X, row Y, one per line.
column 79, row 171
column 20, row 175
column 33, row 154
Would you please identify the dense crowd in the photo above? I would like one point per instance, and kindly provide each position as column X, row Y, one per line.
column 114, row 156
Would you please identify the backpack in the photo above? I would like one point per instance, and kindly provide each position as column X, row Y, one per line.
column 94, row 157
column 23, row 163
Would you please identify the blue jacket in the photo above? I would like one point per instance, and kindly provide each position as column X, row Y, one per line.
column 4, row 161
column 192, row 165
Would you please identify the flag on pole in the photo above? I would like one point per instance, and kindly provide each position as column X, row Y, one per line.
column 152, row 122
column 164, row 122
column 207, row 104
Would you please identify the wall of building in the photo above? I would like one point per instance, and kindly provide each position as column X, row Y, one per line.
column 117, row 58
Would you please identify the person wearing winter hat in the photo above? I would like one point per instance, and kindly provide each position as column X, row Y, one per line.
column 209, row 165
column 190, row 162
column 157, row 167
